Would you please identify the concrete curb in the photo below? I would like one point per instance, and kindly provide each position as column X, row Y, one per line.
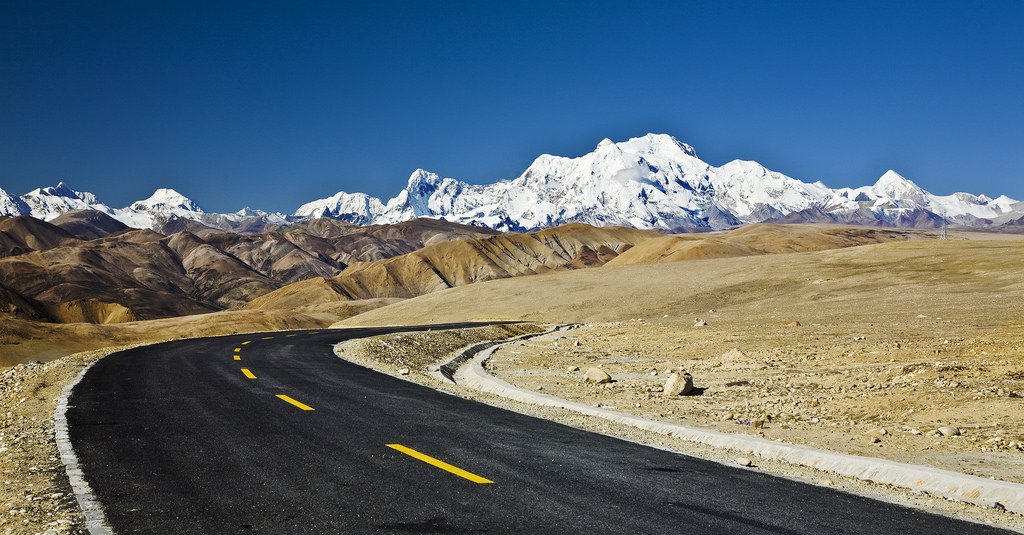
column 943, row 483
column 95, row 519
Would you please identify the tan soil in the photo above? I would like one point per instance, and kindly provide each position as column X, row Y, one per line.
column 36, row 496
column 392, row 354
column 940, row 321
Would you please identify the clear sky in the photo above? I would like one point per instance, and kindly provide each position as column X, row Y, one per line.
column 272, row 104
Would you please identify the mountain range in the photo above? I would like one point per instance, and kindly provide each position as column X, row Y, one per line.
column 649, row 182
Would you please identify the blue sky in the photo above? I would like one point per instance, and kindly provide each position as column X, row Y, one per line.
column 272, row 104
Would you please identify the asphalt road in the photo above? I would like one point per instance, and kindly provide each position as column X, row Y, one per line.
column 179, row 438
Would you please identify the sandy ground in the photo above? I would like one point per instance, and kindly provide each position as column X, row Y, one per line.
column 873, row 394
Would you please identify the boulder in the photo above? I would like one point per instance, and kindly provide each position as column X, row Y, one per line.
column 597, row 375
column 678, row 384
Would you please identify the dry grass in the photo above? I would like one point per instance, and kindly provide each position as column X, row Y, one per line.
column 903, row 336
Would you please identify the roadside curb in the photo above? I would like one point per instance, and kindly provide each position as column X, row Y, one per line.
column 95, row 519
column 948, row 484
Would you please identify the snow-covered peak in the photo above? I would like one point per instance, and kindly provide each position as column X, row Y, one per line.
column 659, row 144
column 167, row 200
column 49, row 203
column 12, row 206
column 358, row 208
column 895, row 186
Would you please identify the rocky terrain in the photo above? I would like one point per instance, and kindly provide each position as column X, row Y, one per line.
column 879, row 342
column 535, row 364
column 84, row 266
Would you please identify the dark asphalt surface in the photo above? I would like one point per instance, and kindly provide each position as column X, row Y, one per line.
column 173, row 438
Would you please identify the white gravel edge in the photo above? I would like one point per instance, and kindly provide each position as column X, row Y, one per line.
column 95, row 519
column 945, row 483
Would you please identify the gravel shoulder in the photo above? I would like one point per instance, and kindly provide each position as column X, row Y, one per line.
column 36, row 496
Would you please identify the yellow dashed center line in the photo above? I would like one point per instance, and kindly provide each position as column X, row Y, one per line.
column 298, row 404
column 290, row 335
column 314, row 332
column 267, row 338
column 248, row 373
column 237, row 349
column 246, row 342
column 238, row 357
column 440, row 464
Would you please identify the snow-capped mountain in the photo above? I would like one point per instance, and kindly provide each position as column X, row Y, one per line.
column 11, row 205
column 654, row 181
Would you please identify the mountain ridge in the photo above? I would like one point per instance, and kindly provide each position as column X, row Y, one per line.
column 649, row 182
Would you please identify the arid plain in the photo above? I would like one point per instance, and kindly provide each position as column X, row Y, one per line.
column 859, row 340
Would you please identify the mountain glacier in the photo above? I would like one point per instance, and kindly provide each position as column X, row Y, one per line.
column 650, row 182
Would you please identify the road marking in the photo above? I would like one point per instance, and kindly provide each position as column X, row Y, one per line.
column 314, row 332
column 290, row 335
column 440, row 464
column 246, row 342
column 248, row 373
column 237, row 349
column 238, row 357
column 298, row 404
column 267, row 338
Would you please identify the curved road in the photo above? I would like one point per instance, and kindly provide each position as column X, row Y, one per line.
column 194, row 436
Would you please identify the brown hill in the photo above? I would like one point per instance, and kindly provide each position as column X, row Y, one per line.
column 755, row 240
column 110, row 273
column 24, row 234
column 89, row 224
column 458, row 263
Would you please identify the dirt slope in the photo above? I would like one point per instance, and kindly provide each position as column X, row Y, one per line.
column 461, row 262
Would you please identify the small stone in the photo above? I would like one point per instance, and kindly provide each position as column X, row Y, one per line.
column 403, row 371
column 729, row 416
column 678, row 385
column 915, row 432
column 597, row 375
column 743, row 461
column 947, row 431
column 572, row 369
column 875, row 440
column 699, row 323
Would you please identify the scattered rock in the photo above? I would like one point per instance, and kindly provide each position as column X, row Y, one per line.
column 733, row 354
column 678, row 385
column 572, row 369
column 597, row 375
column 403, row 371
column 729, row 416
column 875, row 440
column 947, row 431
column 699, row 323
column 793, row 324
column 743, row 461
